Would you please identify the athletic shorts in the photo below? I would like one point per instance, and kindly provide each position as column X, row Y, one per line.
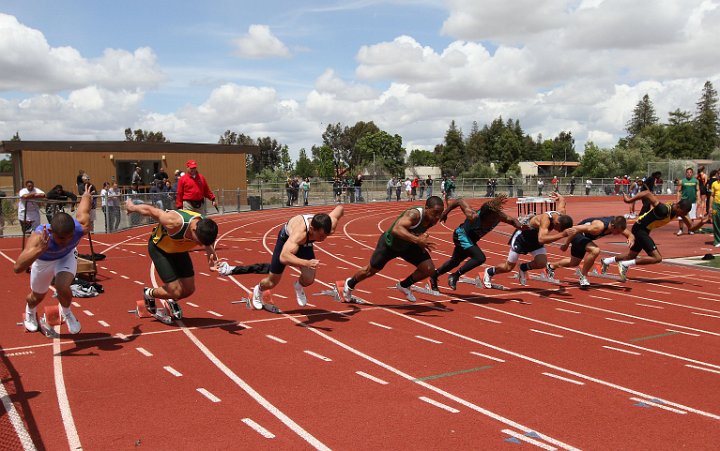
column 414, row 254
column 578, row 245
column 643, row 242
column 170, row 266
column 306, row 252
column 43, row 271
column 525, row 242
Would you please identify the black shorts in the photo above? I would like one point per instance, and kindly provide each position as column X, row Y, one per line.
column 414, row 254
column 306, row 252
column 643, row 242
column 525, row 241
column 578, row 245
column 170, row 266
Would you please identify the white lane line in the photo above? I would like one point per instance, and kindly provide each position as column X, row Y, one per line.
column 121, row 336
column 380, row 325
column 572, row 381
column 620, row 321
column 75, row 304
column 144, row 352
column 103, row 323
column 488, row 320
column 16, row 420
column 257, row 428
column 428, row 339
column 172, row 371
column 139, row 282
column 362, row 291
column 204, row 273
column 208, row 395
column 684, row 333
column 15, row 354
column 214, row 313
column 318, row 356
column 621, row 350
column 274, row 338
column 192, row 305
column 372, row 378
column 708, row 299
column 658, row 404
column 88, row 313
column 280, row 296
column 63, row 402
column 398, row 299
column 705, row 314
column 528, row 440
column 566, row 310
column 439, row 404
column 546, row 333
column 113, row 272
column 701, row 368
column 651, row 306
column 125, row 277
column 600, row 297
column 659, row 292
column 486, row 356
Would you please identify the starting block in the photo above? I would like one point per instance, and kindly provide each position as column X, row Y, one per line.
column 267, row 306
column 51, row 317
column 426, row 290
column 542, row 277
column 597, row 273
column 336, row 292
column 477, row 281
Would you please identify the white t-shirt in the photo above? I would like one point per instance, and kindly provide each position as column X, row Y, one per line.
column 408, row 186
column 32, row 208
column 103, row 197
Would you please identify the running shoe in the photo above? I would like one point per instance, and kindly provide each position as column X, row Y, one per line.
column 622, row 269
column 549, row 271
column 224, row 269
column 603, row 267
column 149, row 299
column 583, row 281
column 679, row 232
column 300, row 294
column 522, row 277
column 487, row 279
column 406, row 291
column 31, row 322
column 256, row 299
column 347, row 291
column 452, row 280
column 175, row 309
column 72, row 322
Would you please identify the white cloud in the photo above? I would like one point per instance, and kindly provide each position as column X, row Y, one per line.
column 260, row 42
column 30, row 64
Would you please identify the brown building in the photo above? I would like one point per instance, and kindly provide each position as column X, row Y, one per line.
column 48, row 163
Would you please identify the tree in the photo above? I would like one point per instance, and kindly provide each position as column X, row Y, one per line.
column 268, row 156
column 233, row 138
column 453, row 152
column 475, row 148
column 387, row 150
column 324, row 161
column 141, row 135
column 507, row 150
column 419, row 157
column 643, row 116
column 595, row 162
column 335, row 137
column 286, row 163
column 707, row 122
column 304, row 166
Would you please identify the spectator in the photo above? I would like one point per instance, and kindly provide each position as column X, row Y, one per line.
column 688, row 188
column 178, row 174
column 449, row 188
column 162, row 175
column 408, row 188
column 288, row 192
column 358, row 187
column 390, row 187
column 616, row 185
column 572, row 186
column 421, row 189
column 398, row 189
column 493, row 186
column 337, row 189
column 540, row 185
column 103, row 202
column 305, row 185
column 488, row 188
column 428, row 187
column 413, row 188
column 136, row 180
column 113, row 206
column 555, row 182
column 29, row 207
column 510, row 183
column 3, row 195
column 715, row 198
column 625, row 184
column 192, row 191
column 60, row 198
column 588, row 186
column 79, row 180
column 702, row 179
column 157, row 193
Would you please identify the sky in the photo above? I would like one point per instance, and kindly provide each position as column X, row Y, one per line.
column 88, row 69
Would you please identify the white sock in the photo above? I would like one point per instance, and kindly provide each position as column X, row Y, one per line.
column 608, row 260
column 628, row 263
column 30, row 311
column 65, row 310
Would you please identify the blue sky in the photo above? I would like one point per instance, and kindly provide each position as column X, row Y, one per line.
column 88, row 69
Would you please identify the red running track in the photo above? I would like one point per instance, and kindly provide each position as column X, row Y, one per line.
column 616, row 366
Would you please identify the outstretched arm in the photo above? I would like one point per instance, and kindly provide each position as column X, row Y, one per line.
column 335, row 216
column 36, row 245
column 560, row 201
column 169, row 219
column 641, row 195
column 455, row 203
column 83, row 210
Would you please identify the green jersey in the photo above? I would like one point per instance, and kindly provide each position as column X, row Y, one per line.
column 688, row 189
column 399, row 244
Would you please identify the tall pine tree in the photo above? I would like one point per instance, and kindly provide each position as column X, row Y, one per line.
column 643, row 116
column 706, row 122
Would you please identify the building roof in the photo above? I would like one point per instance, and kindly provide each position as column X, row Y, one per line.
column 123, row 146
column 557, row 163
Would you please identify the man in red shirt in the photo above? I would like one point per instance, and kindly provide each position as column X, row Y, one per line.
column 192, row 190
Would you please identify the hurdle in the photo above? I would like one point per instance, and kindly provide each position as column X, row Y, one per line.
column 531, row 206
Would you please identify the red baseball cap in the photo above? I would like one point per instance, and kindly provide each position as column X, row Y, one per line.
column 191, row 164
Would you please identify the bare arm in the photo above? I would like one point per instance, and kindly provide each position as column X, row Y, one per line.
column 455, row 203
column 35, row 246
column 510, row 220
column 560, row 200
column 292, row 245
column 546, row 236
column 171, row 220
column 335, row 216
column 83, row 209
column 641, row 195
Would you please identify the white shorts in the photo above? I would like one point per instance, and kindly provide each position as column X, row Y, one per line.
column 513, row 256
column 43, row 271
column 693, row 212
